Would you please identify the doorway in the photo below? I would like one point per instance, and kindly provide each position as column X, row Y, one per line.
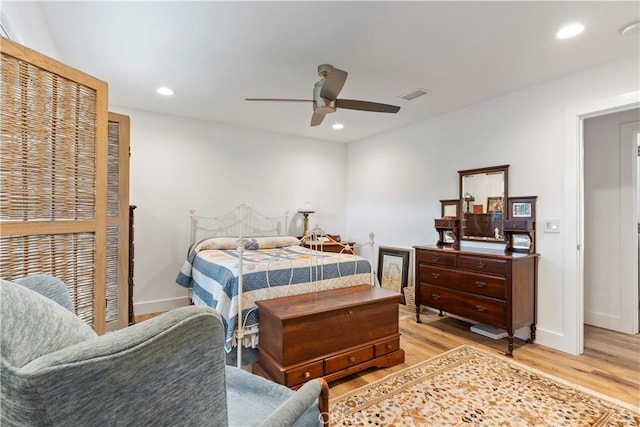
column 571, row 339
column 610, row 194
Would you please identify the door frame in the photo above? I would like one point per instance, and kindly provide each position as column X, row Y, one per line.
column 573, row 274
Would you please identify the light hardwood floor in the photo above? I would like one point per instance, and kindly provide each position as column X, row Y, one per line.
column 610, row 364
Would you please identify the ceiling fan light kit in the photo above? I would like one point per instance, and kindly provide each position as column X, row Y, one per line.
column 325, row 96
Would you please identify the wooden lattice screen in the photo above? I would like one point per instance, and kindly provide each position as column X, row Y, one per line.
column 117, row 289
column 53, row 185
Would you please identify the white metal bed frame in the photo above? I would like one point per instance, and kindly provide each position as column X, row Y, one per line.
column 242, row 222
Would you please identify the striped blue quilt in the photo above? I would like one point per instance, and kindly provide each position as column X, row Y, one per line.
column 212, row 274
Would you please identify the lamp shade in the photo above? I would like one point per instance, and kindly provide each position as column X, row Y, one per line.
column 306, row 208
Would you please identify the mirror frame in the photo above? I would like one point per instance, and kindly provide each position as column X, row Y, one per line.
column 505, row 197
column 449, row 202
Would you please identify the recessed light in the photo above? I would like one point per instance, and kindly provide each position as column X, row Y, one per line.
column 569, row 31
column 166, row 91
column 338, row 126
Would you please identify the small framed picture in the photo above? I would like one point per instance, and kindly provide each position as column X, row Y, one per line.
column 393, row 269
column 495, row 204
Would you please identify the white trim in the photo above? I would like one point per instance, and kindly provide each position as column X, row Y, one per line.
column 573, row 280
column 159, row 306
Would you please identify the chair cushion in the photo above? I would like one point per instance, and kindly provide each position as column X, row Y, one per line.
column 33, row 325
column 252, row 399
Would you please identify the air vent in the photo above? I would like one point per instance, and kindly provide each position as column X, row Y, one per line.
column 415, row 94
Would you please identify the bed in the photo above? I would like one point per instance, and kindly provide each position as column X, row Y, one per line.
column 242, row 257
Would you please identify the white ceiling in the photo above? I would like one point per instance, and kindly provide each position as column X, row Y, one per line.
column 214, row 54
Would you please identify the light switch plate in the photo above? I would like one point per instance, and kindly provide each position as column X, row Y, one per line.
column 551, row 225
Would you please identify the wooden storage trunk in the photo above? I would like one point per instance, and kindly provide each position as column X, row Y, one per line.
column 328, row 334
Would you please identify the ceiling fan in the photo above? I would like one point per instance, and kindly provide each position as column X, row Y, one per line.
column 325, row 96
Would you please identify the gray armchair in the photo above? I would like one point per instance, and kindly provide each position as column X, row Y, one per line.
column 169, row 370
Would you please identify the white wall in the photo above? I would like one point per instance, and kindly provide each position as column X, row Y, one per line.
column 24, row 23
column 396, row 179
column 179, row 164
column 393, row 180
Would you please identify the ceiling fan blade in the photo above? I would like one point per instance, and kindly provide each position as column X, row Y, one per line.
column 333, row 84
column 278, row 99
column 316, row 119
column 353, row 104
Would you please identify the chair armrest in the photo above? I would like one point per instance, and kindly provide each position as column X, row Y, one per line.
column 168, row 368
column 292, row 409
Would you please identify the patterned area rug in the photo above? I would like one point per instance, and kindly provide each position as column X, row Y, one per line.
column 468, row 386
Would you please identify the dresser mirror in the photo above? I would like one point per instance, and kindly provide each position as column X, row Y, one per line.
column 483, row 193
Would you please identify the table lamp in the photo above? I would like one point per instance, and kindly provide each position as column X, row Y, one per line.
column 468, row 198
column 305, row 210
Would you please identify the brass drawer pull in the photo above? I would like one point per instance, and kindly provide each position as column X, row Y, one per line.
column 389, row 347
column 481, row 308
column 480, row 284
column 435, row 275
column 480, row 265
column 350, row 311
column 435, row 259
column 352, row 359
column 435, row 296
column 307, row 375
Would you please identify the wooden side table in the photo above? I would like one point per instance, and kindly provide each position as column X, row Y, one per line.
column 330, row 246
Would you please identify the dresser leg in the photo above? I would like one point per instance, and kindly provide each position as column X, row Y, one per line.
column 418, row 314
column 509, row 352
column 441, row 314
column 532, row 338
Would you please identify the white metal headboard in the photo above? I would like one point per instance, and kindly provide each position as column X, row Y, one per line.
column 242, row 221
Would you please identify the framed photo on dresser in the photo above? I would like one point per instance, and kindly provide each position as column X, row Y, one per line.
column 393, row 269
column 495, row 204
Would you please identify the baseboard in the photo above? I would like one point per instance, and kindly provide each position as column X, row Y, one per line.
column 603, row 320
column 160, row 306
column 555, row 340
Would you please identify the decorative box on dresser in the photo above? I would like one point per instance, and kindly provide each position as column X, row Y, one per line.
column 328, row 334
column 484, row 285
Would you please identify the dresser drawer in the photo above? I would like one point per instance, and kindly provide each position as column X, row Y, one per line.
column 436, row 258
column 348, row 359
column 496, row 266
column 304, row 373
column 387, row 346
column 474, row 307
column 490, row 286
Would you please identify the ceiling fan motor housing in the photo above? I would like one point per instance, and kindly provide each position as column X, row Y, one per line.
column 322, row 105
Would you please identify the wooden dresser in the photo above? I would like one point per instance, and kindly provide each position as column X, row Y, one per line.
column 328, row 334
column 482, row 285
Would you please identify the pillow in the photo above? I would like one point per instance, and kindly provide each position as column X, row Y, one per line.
column 33, row 325
column 272, row 242
column 216, row 243
column 251, row 243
